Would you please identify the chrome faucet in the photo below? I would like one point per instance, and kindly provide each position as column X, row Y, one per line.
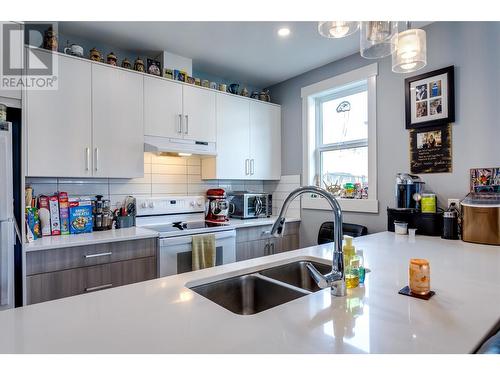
column 336, row 278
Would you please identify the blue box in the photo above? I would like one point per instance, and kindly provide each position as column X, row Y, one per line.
column 80, row 217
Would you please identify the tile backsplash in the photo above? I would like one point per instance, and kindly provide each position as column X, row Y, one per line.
column 280, row 190
column 163, row 175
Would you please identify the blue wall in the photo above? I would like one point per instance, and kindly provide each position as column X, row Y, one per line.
column 474, row 49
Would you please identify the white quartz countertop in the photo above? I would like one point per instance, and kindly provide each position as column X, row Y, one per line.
column 244, row 223
column 114, row 235
column 164, row 316
column 134, row 233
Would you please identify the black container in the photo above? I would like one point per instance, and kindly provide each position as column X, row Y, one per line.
column 450, row 225
column 428, row 224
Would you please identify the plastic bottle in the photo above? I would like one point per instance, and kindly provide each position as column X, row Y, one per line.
column 351, row 270
column 362, row 271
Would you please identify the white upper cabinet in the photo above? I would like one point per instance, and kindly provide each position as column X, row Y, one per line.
column 233, row 147
column 248, row 141
column 14, row 56
column 58, row 123
column 199, row 114
column 265, row 141
column 163, row 108
column 117, row 122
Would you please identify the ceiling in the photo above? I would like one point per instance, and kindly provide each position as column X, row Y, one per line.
column 252, row 52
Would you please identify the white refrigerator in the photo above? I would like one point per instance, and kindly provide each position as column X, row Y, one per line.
column 7, row 229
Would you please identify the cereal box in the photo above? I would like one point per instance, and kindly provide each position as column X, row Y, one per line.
column 80, row 216
column 64, row 212
column 55, row 226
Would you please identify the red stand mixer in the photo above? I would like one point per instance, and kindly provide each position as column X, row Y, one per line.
column 218, row 206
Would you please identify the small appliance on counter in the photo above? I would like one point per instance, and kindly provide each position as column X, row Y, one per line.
column 246, row 205
column 408, row 191
column 481, row 218
column 102, row 215
column 410, row 198
column 217, row 206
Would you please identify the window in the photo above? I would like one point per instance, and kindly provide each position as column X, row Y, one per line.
column 342, row 141
column 339, row 130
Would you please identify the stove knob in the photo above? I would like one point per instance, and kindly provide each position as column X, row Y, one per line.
column 151, row 204
column 199, row 203
column 192, row 203
column 144, row 204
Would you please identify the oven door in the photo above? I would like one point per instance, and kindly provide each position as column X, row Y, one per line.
column 176, row 252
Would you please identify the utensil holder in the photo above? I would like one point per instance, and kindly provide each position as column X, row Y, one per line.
column 125, row 222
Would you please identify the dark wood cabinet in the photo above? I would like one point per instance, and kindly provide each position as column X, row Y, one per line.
column 58, row 273
column 256, row 242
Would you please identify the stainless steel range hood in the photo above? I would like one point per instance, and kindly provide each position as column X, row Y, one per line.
column 183, row 146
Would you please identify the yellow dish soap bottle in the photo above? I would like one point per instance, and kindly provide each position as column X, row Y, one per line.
column 351, row 272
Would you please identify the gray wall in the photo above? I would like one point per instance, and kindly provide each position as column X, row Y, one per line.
column 474, row 49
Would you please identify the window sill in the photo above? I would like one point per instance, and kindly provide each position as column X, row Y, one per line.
column 347, row 205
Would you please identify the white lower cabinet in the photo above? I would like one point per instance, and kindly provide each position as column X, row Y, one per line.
column 117, row 123
column 248, row 141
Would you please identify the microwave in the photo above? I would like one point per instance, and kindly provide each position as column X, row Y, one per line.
column 245, row 205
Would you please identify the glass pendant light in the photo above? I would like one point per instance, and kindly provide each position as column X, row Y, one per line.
column 337, row 29
column 411, row 51
column 377, row 38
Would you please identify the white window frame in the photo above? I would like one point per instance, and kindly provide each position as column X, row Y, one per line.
column 310, row 153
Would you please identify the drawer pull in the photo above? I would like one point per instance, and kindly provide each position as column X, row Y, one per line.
column 98, row 287
column 98, row 255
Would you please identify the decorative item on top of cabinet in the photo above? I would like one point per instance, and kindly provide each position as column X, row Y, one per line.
column 139, row 65
column 126, row 64
column 169, row 73
column 180, row 75
column 50, row 39
column 233, row 88
column 73, row 49
column 111, row 59
column 154, row 67
column 264, row 96
column 244, row 92
column 95, row 55
column 190, row 80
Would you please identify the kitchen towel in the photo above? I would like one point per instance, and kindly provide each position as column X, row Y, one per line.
column 203, row 248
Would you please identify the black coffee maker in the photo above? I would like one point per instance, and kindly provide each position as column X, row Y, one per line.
column 408, row 191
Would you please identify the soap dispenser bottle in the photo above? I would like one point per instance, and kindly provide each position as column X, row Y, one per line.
column 351, row 265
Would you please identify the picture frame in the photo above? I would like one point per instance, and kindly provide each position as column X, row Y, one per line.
column 430, row 98
column 431, row 149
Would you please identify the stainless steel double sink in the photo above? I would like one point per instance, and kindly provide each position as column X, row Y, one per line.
column 261, row 290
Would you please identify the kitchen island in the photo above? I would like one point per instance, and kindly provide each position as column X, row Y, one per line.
column 164, row 316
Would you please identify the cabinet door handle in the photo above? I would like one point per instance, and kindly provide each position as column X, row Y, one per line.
column 186, row 131
column 87, row 158
column 252, row 165
column 179, row 127
column 246, row 166
column 97, row 158
column 272, row 248
column 104, row 286
column 98, row 255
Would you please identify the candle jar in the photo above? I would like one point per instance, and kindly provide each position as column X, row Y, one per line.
column 419, row 276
